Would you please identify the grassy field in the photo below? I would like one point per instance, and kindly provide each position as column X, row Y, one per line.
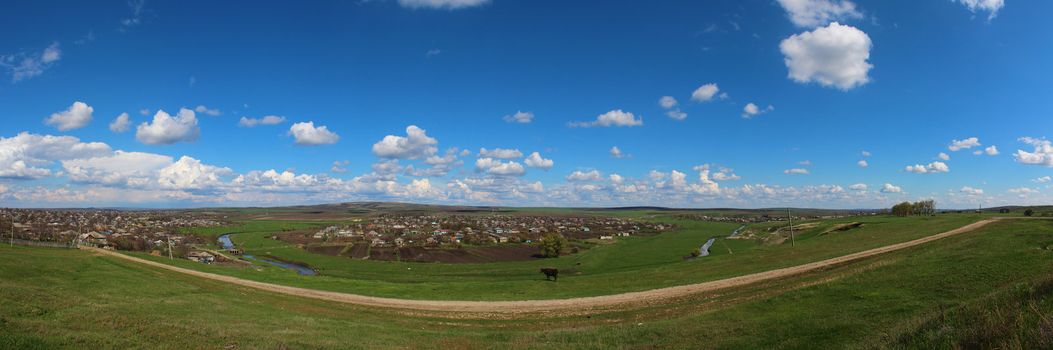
column 988, row 288
column 633, row 264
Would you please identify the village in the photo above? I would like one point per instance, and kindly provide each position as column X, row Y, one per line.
column 133, row 230
column 396, row 230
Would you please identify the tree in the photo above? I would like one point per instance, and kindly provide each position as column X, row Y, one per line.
column 1029, row 212
column 552, row 245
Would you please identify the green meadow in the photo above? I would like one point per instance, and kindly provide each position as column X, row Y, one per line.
column 631, row 264
column 990, row 288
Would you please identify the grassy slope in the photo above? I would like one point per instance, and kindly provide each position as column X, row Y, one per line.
column 61, row 298
column 635, row 263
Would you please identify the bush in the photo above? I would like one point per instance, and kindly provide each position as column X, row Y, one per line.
column 1029, row 212
column 552, row 245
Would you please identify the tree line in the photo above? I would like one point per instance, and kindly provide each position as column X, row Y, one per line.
column 925, row 207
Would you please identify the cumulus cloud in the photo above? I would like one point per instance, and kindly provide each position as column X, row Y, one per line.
column 931, row 168
column 76, row 116
column 957, row 145
column 1041, row 155
column 520, row 117
column 616, row 152
column 751, row 110
column 943, row 156
column 166, row 129
column 991, row 150
column 676, row 114
column 207, row 111
column 989, row 6
column 493, row 166
column 615, row 117
column 862, row 163
column 814, row 13
column 796, row 171
column 1023, row 191
column 667, row 102
column 578, row 175
column 890, row 188
column 121, row 123
column 835, row 55
column 971, row 191
column 502, row 153
column 865, row 153
column 416, row 144
column 339, row 166
column 27, row 156
column 307, row 134
column 858, row 187
column 441, row 4
column 188, row 174
column 725, row 174
column 1043, row 179
column 131, row 169
column 536, row 161
column 24, row 66
column 266, row 120
column 707, row 92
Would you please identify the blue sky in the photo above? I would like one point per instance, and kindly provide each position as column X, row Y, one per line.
column 829, row 80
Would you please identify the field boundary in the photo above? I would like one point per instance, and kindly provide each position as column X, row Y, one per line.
column 523, row 306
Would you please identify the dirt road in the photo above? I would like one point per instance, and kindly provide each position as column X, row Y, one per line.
column 551, row 305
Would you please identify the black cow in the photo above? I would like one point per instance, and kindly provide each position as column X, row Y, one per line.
column 550, row 272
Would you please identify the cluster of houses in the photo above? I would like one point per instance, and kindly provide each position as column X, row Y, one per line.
column 108, row 229
column 397, row 230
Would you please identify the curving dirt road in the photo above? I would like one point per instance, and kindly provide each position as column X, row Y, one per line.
column 551, row 305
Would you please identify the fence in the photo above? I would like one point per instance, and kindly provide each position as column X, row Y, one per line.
column 24, row 242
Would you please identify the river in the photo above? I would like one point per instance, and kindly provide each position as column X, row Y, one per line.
column 226, row 243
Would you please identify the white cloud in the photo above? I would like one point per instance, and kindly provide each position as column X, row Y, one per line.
column 835, row 55
column 266, row 120
column 493, row 166
column 751, row 110
column 971, row 191
column 1042, row 154
column 858, row 187
column 76, row 116
column 188, row 173
column 535, row 161
column 615, row 117
column 579, row 175
column 616, row 152
column 865, row 153
column 502, row 153
column 957, row 145
column 144, row 112
column 726, row 174
column 667, row 102
column 307, row 134
column 796, row 171
column 676, row 114
column 862, row 163
column 339, row 166
column 1043, row 179
column 24, row 66
column 1022, row 191
column 990, row 6
column 208, row 111
column 890, row 188
column 441, row 4
column 931, row 168
column 26, row 156
column 991, row 151
column 166, row 129
column 132, row 169
column 815, row 13
column 520, row 117
column 943, row 156
column 707, row 92
column 416, row 144
column 121, row 123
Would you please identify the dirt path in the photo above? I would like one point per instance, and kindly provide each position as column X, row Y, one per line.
column 558, row 304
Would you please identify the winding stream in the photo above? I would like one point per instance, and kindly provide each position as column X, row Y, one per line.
column 226, row 243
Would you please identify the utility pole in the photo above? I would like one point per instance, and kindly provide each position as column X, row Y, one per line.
column 790, row 218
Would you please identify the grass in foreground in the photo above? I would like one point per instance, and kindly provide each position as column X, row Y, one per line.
column 945, row 294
